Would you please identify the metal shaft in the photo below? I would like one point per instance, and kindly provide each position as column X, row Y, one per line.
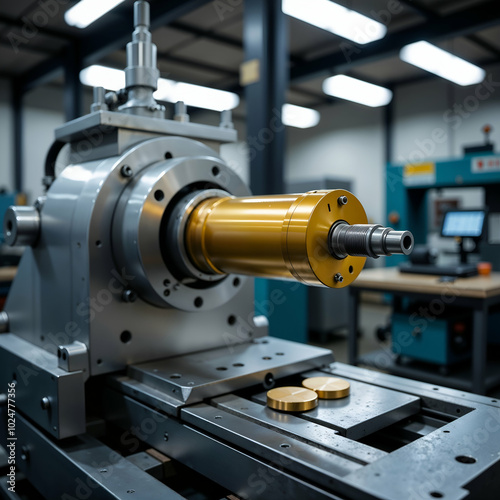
column 287, row 237
column 368, row 240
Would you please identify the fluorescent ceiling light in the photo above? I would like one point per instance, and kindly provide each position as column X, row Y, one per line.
column 168, row 90
column 442, row 63
column 336, row 19
column 102, row 76
column 356, row 90
column 86, row 12
column 297, row 116
column 196, row 95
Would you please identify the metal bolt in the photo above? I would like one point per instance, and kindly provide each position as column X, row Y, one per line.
column 129, row 295
column 338, row 278
column 126, row 171
column 342, row 200
column 45, row 403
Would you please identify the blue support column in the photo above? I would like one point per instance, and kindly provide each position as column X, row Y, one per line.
column 73, row 89
column 265, row 38
column 17, row 126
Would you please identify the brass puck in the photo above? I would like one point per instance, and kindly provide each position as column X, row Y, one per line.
column 292, row 399
column 328, row 387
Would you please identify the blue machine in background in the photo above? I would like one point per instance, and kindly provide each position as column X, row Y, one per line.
column 408, row 186
column 6, row 200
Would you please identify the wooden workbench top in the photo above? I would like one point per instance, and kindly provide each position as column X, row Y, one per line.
column 7, row 273
column 390, row 279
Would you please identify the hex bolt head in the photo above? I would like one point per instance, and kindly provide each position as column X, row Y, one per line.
column 342, row 200
column 129, row 295
column 45, row 403
column 338, row 278
column 126, row 171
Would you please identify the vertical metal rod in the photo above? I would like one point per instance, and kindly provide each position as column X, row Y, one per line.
column 265, row 38
column 352, row 339
column 479, row 351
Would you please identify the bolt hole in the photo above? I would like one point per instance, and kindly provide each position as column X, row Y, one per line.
column 284, row 445
column 125, row 336
column 268, row 381
column 236, row 282
column 159, row 195
column 98, row 243
column 215, row 171
column 99, row 361
column 238, row 365
column 64, row 356
column 436, row 494
column 406, row 242
column 175, row 375
column 435, row 388
column 10, row 226
column 168, row 155
column 231, row 320
column 351, row 269
column 198, row 302
column 58, row 353
column 266, row 357
column 458, row 410
column 280, row 354
column 446, row 432
column 464, row 459
column 221, row 368
column 130, row 491
column 494, row 401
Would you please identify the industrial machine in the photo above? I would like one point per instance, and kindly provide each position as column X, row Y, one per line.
column 130, row 338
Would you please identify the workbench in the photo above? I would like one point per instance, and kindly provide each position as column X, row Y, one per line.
column 479, row 293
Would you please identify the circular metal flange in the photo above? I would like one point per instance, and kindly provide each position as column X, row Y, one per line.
column 306, row 233
column 328, row 387
column 139, row 230
column 292, row 399
column 176, row 229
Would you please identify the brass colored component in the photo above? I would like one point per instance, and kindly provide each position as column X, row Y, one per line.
column 282, row 236
column 291, row 399
column 328, row 387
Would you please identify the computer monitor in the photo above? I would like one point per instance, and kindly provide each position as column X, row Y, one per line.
column 463, row 223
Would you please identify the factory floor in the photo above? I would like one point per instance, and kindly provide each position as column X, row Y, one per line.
column 371, row 315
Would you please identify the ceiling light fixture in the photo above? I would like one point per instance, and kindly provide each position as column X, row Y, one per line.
column 298, row 116
column 352, row 89
column 168, row 90
column 435, row 60
column 86, row 12
column 336, row 19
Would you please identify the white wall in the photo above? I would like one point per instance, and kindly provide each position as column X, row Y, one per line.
column 348, row 144
column 432, row 118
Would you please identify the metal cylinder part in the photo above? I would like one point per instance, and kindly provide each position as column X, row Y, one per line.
column 368, row 240
column 282, row 236
column 21, row 226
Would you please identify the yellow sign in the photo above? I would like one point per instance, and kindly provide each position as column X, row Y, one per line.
column 419, row 173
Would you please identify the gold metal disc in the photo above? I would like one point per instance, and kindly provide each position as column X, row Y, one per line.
column 328, row 387
column 292, row 399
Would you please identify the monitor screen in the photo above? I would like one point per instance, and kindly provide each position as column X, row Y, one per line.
column 463, row 223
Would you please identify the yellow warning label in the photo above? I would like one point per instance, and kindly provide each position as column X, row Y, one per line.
column 419, row 173
column 419, row 169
